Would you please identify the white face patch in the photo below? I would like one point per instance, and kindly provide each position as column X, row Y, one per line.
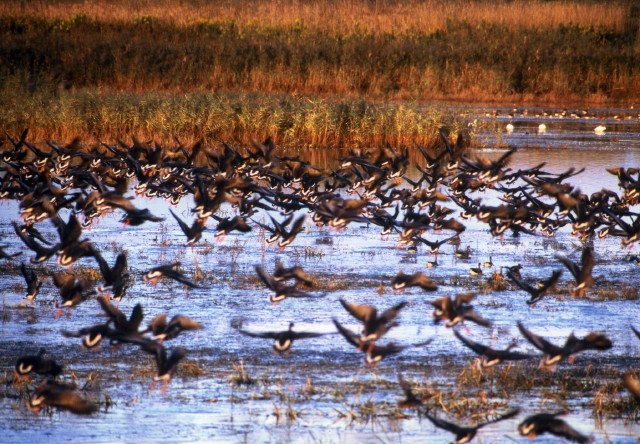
column 92, row 343
column 23, row 370
column 282, row 346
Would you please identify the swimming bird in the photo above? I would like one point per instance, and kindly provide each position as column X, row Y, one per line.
column 61, row 396
column 572, row 346
column 283, row 339
column 490, row 356
column 582, row 272
column 600, row 129
column 536, row 292
column 541, row 423
column 466, row 434
column 418, row 279
column 171, row 271
column 374, row 325
column 41, row 364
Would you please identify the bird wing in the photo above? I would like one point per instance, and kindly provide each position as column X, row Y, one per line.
column 560, row 428
column 350, row 336
column 363, row 313
column 266, row 278
column 183, row 226
column 390, row 313
column 538, row 342
column 441, row 423
column 573, row 268
column 478, row 348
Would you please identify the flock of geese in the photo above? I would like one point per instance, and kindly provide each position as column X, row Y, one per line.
column 73, row 186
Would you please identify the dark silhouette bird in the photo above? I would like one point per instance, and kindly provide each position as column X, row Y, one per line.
column 490, row 356
column 410, row 398
column 5, row 255
column 280, row 289
column 193, row 232
column 162, row 330
column 417, row 279
column 171, row 271
column 73, row 289
column 466, row 434
column 281, row 273
column 582, row 272
column 53, row 394
column 136, row 216
column 33, row 283
column 283, row 339
column 124, row 328
column 166, row 364
column 41, row 364
column 116, row 278
column 457, row 310
column 92, row 336
column 573, row 345
column 536, row 292
column 378, row 352
column 42, row 253
column 541, row 423
column 374, row 325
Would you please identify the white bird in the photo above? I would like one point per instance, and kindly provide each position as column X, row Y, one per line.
column 600, row 129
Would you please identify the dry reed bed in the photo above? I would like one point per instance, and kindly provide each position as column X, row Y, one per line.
column 378, row 16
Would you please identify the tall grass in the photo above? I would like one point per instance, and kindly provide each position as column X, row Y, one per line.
column 292, row 121
column 376, row 16
column 128, row 66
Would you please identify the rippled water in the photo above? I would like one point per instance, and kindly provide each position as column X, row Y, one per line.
column 360, row 264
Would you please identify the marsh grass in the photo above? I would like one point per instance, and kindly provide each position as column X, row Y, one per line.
column 190, row 69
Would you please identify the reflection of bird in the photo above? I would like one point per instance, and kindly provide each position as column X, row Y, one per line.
column 539, row 290
column 582, row 272
column 573, row 345
column 374, row 326
column 466, row 434
column 491, row 357
column 376, row 353
column 40, row 364
column 171, row 271
column 549, row 423
column 61, row 396
column 283, row 339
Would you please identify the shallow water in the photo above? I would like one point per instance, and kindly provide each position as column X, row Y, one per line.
column 356, row 264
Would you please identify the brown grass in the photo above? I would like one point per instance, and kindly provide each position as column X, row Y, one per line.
column 376, row 16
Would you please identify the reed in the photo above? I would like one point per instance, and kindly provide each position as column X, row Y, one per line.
column 292, row 121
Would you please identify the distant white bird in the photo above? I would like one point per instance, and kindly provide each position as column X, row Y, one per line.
column 600, row 129
column 542, row 128
column 509, row 127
